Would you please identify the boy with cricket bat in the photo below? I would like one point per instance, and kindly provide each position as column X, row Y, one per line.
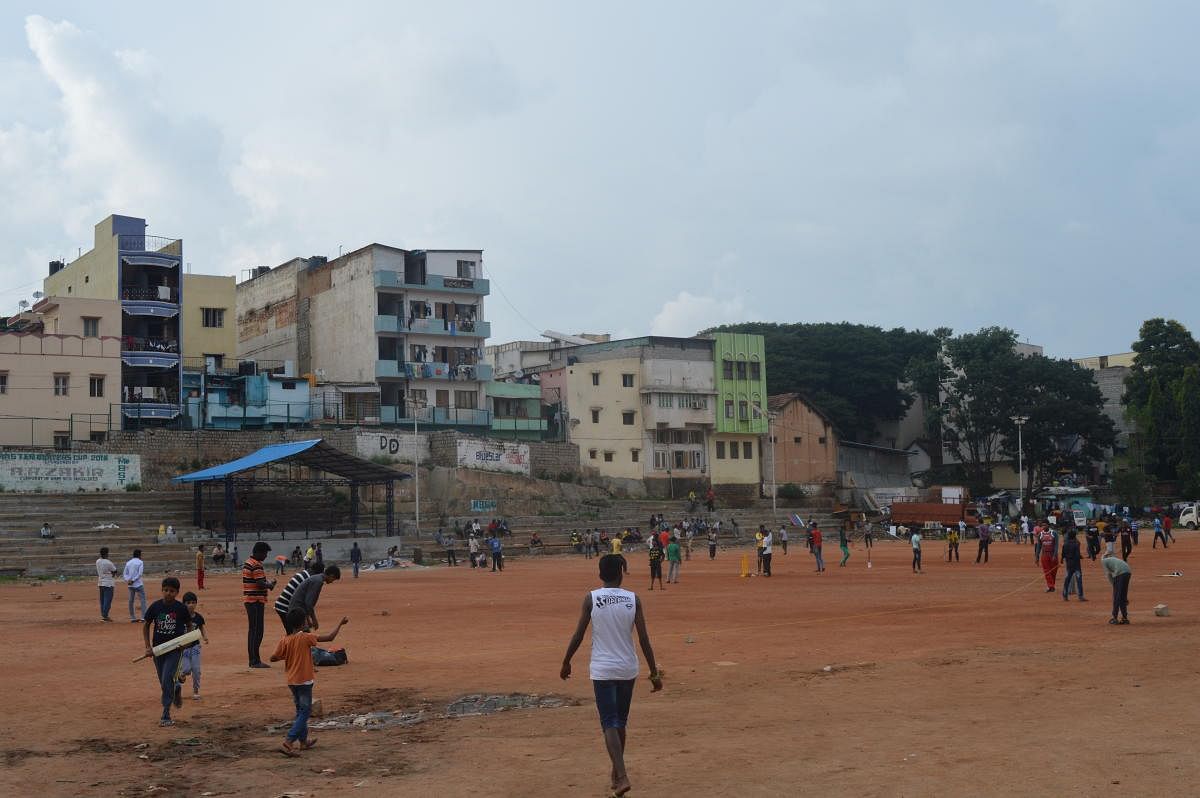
column 190, row 661
column 167, row 619
column 296, row 652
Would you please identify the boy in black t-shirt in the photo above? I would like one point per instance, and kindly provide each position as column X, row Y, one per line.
column 169, row 619
column 656, row 558
column 190, row 662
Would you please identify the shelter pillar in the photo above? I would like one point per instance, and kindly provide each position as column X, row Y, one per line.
column 197, row 504
column 354, row 508
column 391, row 507
column 230, row 518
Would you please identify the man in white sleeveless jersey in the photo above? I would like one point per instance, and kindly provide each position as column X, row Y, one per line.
column 613, row 614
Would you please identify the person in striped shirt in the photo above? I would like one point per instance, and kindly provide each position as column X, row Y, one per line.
column 255, row 587
column 285, row 596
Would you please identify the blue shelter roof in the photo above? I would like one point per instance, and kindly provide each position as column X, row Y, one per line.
column 314, row 453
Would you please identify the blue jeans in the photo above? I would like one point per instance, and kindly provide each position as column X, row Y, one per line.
column 167, row 668
column 1077, row 575
column 613, row 697
column 140, row 590
column 355, row 566
column 302, row 695
column 190, row 663
column 106, row 597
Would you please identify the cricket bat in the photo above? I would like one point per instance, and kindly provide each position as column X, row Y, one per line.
column 175, row 642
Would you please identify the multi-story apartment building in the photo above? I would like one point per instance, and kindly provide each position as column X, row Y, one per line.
column 209, row 324
column 653, row 409
column 144, row 273
column 406, row 326
column 60, row 369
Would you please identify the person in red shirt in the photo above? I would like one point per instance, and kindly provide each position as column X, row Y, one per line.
column 814, row 537
column 1049, row 557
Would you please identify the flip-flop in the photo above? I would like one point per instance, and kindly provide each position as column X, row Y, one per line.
column 288, row 751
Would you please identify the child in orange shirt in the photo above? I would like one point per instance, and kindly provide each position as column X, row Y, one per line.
column 296, row 652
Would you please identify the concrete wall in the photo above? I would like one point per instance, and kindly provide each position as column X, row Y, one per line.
column 92, row 275
column 799, row 454
column 608, row 433
column 738, row 470
column 266, row 314
column 209, row 291
column 341, row 316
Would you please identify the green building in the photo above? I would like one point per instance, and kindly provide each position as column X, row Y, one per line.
column 740, row 378
column 516, row 411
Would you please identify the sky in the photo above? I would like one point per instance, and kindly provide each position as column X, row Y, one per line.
column 637, row 168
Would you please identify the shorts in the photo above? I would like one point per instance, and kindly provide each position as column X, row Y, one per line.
column 613, row 697
column 655, row 569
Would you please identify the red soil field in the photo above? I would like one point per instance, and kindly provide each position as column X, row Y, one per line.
column 967, row 680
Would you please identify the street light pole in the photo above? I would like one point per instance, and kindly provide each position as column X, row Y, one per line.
column 416, row 471
column 1020, row 422
column 771, row 444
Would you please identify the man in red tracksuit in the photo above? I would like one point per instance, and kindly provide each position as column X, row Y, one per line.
column 1049, row 556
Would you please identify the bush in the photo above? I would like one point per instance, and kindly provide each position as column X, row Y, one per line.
column 790, row 491
column 384, row 459
column 133, row 487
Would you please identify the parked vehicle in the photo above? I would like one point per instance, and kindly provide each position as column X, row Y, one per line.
column 1190, row 516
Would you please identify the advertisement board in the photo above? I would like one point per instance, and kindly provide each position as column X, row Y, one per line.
column 53, row 472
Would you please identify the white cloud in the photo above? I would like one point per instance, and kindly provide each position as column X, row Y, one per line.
column 688, row 314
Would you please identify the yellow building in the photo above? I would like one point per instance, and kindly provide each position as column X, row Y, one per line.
column 209, row 323
column 605, row 415
column 60, row 372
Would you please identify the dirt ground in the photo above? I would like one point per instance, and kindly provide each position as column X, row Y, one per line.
column 967, row 680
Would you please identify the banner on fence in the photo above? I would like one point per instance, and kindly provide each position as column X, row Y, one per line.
column 483, row 505
column 511, row 458
column 68, row 473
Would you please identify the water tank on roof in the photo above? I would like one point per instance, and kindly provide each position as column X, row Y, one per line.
column 57, row 266
column 317, row 260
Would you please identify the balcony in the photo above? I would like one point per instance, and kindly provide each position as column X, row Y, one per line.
column 392, row 369
column 461, row 329
column 677, row 417
column 150, row 410
column 516, row 424
column 388, row 324
column 478, row 286
column 153, row 244
column 442, row 416
column 158, row 293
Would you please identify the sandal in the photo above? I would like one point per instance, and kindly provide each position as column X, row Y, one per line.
column 307, row 744
column 287, row 750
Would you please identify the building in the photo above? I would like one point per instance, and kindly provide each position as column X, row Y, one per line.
column 60, row 372
column 516, row 410
column 804, row 443
column 209, row 323
column 408, row 326
column 676, row 414
column 521, row 360
column 143, row 273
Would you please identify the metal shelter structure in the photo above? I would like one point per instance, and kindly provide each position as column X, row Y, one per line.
column 314, row 454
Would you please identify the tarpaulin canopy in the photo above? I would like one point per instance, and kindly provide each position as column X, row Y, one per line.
column 313, row 453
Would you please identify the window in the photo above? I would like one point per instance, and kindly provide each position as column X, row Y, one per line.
column 733, row 450
column 466, row 268
column 95, row 387
column 661, row 460
column 419, row 396
column 665, row 400
column 62, row 384
column 465, row 400
column 218, row 361
column 755, row 371
column 97, row 437
column 796, row 439
column 681, row 459
column 720, row 450
column 627, row 418
column 626, row 380
column 213, row 317
column 728, row 408
column 3, row 382
column 743, row 410
column 741, row 369
column 595, row 416
column 633, row 455
column 595, row 378
column 821, row 440
column 747, row 450
column 91, row 327
column 727, row 369
column 697, row 459
column 592, row 454
column 62, row 441
column 288, row 385
column 693, row 402
column 608, row 457
column 647, row 399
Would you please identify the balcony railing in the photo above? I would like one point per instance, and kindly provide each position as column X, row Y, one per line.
column 159, row 293
column 433, row 326
column 132, row 343
column 515, row 423
column 432, row 371
column 136, row 243
column 400, row 414
column 435, row 282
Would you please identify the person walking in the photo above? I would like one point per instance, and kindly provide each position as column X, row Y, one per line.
column 869, row 538
column 783, row 538
column 200, row 566
column 1167, row 524
column 656, row 558
column 1127, row 541
column 1072, row 560
column 674, row 558
column 1092, row 537
column 497, row 550
column 473, row 549
column 132, row 576
column 815, row 537
column 1158, row 534
column 712, row 543
column 355, row 558
column 1048, row 542
column 952, row 544
column 105, row 580
column 767, row 542
column 844, row 545
column 614, row 615
column 1119, row 574
column 916, row 547
column 985, row 542
column 255, row 587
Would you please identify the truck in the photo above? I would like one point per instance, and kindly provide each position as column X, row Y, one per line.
column 911, row 513
column 1190, row 516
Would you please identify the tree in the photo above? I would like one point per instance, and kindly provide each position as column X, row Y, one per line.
column 853, row 372
column 1187, row 399
column 1164, row 349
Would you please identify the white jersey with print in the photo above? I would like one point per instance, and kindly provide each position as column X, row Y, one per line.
column 613, row 654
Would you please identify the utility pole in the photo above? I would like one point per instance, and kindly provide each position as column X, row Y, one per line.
column 416, row 468
column 1020, row 422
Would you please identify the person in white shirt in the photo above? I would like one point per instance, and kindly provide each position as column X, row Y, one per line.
column 916, row 544
column 105, row 571
column 132, row 575
column 613, row 614
column 767, row 540
column 783, row 538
